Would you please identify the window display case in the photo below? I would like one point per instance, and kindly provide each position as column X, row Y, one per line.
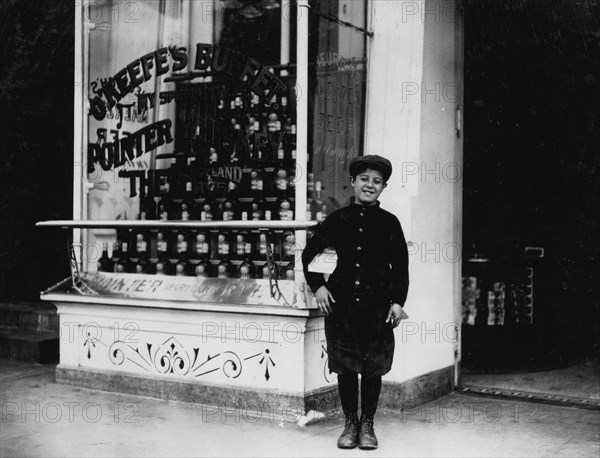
column 211, row 135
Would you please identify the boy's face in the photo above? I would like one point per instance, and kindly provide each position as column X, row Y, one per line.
column 368, row 186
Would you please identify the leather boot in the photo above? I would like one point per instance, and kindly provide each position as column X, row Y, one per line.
column 366, row 435
column 350, row 434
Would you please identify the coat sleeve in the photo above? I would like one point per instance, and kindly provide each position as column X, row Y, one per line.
column 315, row 245
column 399, row 263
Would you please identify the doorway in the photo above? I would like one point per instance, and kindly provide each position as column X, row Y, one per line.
column 531, row 199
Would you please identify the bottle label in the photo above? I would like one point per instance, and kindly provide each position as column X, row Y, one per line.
column 182, row 247
column 202, row 247
column 185, row 215
column 241, row 248
column 141, row 246
column 161, row 246
column 124, row 247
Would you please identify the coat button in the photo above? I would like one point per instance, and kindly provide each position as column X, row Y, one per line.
column 359, row 248
column 358, row 299
column 357, row 283
column 357, row 264
column 360, row 229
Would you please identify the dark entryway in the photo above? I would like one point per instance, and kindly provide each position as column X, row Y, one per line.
column 532, row 185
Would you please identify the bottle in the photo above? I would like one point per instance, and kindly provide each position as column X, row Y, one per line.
column 141, row 266
column 223, row 248
column 164, row 206
column 202, row 270
column 142, row 247
column 148, row 208
column 181, row 268
column 229, row 209
column 265, row 271
column 289, row 246
column 124, row 234
column 213, row 157
column 284, row 209
column 125, row 251
column 240, row 246
column 273, row 123
column 261, row 248
column 257, row 207
column 122, row 264
column 162, row 266
column 201, row 246
column 105, row 264
column 281, row 181
column 256, row 183
column 321, row 212
column 162, row 244
column 224, row 269
column 246, row 270
column 209, row 210
column 181, row 245
column 188, row 204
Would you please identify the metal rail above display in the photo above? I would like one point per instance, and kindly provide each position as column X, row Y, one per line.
column 102, row 224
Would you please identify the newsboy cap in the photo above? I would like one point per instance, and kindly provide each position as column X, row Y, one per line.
column 371, row 161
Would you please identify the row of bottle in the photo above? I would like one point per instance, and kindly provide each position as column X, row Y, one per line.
column 198, row 244
column 203, row 268
column 211, row 209
column 247, row 111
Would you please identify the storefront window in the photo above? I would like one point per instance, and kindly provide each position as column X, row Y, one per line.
column 337, row 95
column 192, row 116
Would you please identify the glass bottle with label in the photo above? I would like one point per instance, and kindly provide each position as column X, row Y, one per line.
column 164, row 205
column 201, row 245
column 187, row 209
column 256, row 183
column 261, row 248
column 289, row 246
column 229, row 209
column 285, row 210
column 242, row 246
column 209, row 210
column 281, row 181
column 258, row 209
column 223, row 247
column 162, row 244
column 142, row 247
column 181, row 244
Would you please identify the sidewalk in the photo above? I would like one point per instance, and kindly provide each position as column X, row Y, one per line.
column 42, row 418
